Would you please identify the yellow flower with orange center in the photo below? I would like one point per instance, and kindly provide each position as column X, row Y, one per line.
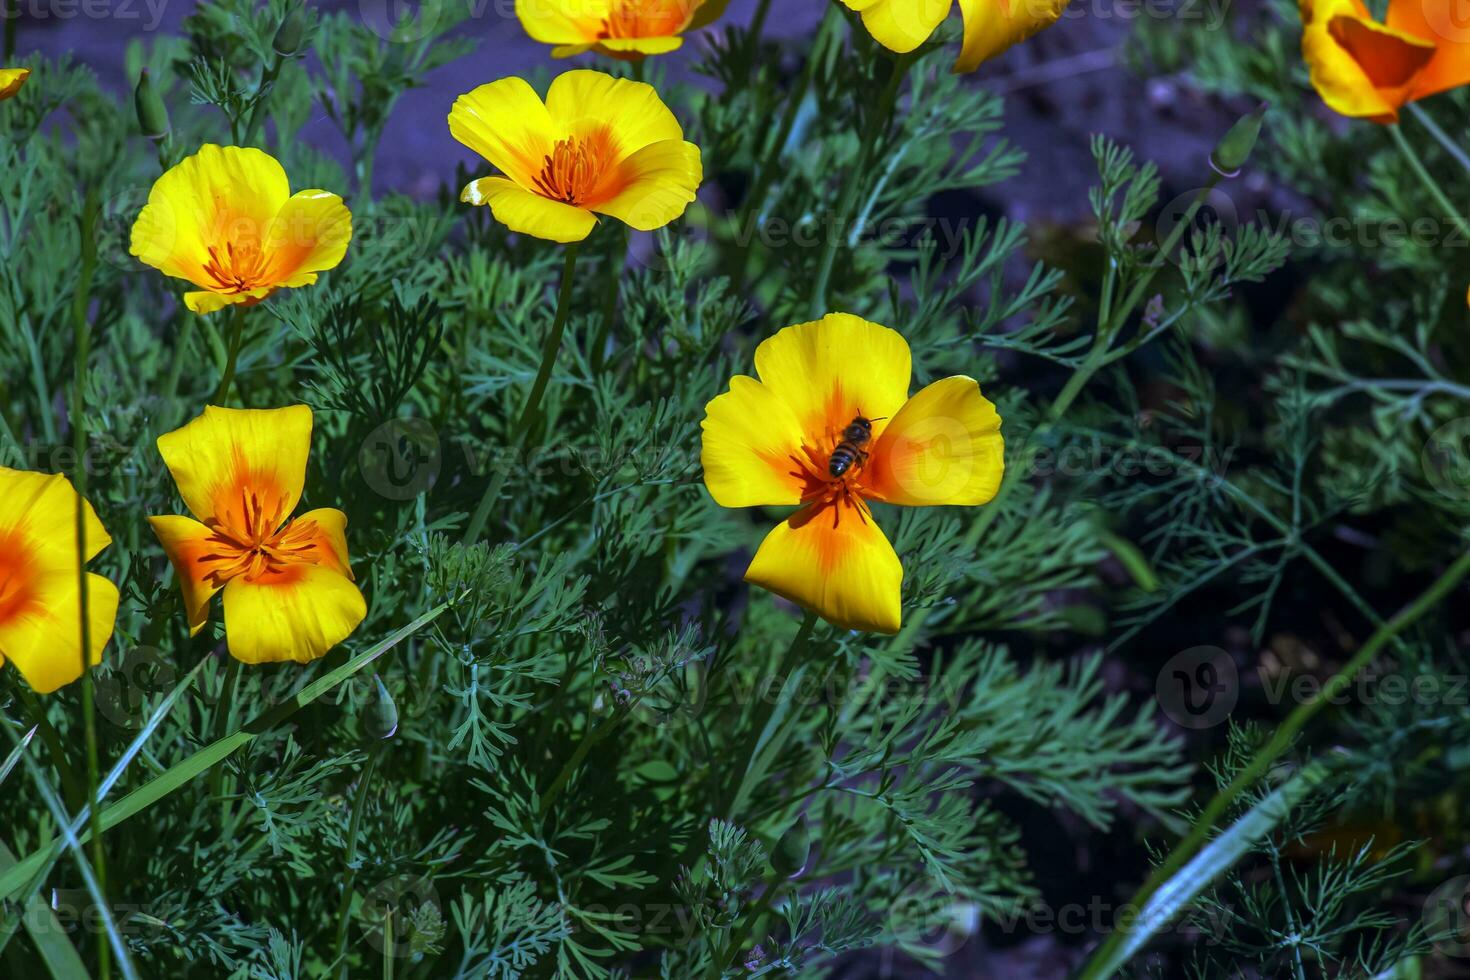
column 40, row 581
column 11, row 79
column 225, row 220
column 991, row 26
column 597, row 145
column 1365, row 69
column 288, row 588
column 830, row 427
column 627, row 29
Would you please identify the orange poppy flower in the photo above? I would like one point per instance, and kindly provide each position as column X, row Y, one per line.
column 626, row 29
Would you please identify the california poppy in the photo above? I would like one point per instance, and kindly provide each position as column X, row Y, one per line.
column 597, row 145
column 288, row 588
column 40, row 583
column 11, row 79
column 991, row 26
column 627, row 29
column 225, row 220
column 830, row 427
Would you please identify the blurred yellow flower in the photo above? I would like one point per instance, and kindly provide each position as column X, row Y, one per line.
column 628, row 29
column 991, row 26
column 1365, row 69
column 225, row 219
column 40, row 592
column 597, row 145
column 830, row 426
column 11, row 79
column 288, row 587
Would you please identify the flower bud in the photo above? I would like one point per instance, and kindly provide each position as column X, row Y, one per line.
column 792, row 850
column 152, row 114
column 1235, row 148
column 381, row 720
column 290, row 34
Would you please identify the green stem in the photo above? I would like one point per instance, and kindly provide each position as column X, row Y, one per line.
column 877, row 122
column 757, row 28
column 262, row 90
column 1450, row 146
column 237, row 334
column 223, row 712
column 583, row 747
column 344, row 910
column 533, row 400
column 12, row 16
column 1280, row 741
column 1411, row 156
column 82, row 354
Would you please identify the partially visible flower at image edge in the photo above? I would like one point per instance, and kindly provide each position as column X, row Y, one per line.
column 225, row 220
column 768, row 442
column 1366, row 69
column 597, row 145
column 990, row 26
column 288, row 589
column 625, row 29
column 40, row 581
column 11, row 79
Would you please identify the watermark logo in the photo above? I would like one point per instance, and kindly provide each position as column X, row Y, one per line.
column 401, row 458
column 1447, row 917
column 1445, row 458
column 1198, row 688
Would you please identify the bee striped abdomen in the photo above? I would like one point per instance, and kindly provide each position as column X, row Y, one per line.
column 850, row 449
column 842, row 459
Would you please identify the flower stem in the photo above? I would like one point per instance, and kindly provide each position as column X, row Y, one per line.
column 344, row 910
column 533, row 400
column 877, row 122
column 1450, row 146
column 11, row 16
column 237, row 333
column 82, row 354
column 1411, row 156
column 1280, row 741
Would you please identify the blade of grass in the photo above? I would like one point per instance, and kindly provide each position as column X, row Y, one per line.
column 84, row 867
column 211, row 755
column 62, row 960
column 15, row 753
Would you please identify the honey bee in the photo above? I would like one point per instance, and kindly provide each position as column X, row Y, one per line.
column 859, row 433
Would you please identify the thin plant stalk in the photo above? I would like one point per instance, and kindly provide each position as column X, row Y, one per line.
column 1440, row 136
column 533, row 400
column 344, row 910
column 237, row 334
column 82, row 354
column 1411, row 157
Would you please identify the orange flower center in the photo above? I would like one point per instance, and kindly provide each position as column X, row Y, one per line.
column 237, row 267
column 17, row 589
column 821, row 491
column 260, row 544
column 572, row 173
column 647, row 18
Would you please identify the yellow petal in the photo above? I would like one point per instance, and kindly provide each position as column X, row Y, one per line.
column 330, row 544
column 836, row 562
column 830, row 370
column 308, row 235
column 298, row 613
column 44, row 640
column 11, row 79
column 661, row 181
column 206, row 301
column 634, row 48
column 231, row 459
column 530, row 214
column 901, row 25
column 563, row 21
column 943, row 447
column 42, row 509
column 583, row 100
column 507, row 124
column 186, row 542
column 750, row 435
column 218, row 196
column 992, row 26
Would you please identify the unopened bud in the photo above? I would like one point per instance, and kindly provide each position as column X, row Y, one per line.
column 381, row 719
column 792, row 850
column 290, row 34
column 1235, row 148
column 152, row 114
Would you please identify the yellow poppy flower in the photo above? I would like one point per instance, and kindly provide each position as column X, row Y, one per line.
column 11, row 79
column 225, row 219
column 597, row 145
column 780, row 440
column 627, row 29
column 40, row 598
column 288, row 587
column 1365, row 69
column 991, row 26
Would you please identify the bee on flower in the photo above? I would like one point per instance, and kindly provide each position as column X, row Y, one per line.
column 625, row 29
column 829, row 427
column 40, row 581
column 991, row 26
column 11, row 79
column 1366, row 69
column 596, row 145
column 288, row 589
column 225, row 220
